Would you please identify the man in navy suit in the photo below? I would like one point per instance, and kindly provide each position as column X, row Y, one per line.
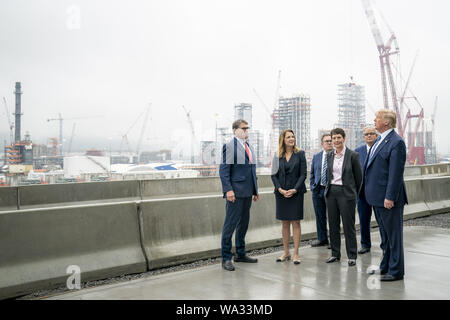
column 365, row 209
column 238, row 176
column 384, row 189
column 317, row 184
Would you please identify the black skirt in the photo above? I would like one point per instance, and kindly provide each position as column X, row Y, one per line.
column 289, row 208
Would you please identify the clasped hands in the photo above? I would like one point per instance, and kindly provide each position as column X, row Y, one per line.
column 287, row 193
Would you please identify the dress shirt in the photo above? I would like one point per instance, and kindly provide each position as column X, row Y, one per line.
column 242, row 142
column 382, row 137
column 337, row 167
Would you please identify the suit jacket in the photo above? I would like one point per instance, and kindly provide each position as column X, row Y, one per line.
column 316, row 171
column 236, row 173
column 383, row 174
column 351, row 173
column 294, row 177
column 362, row 151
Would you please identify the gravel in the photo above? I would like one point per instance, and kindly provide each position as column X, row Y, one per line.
column 439, row 220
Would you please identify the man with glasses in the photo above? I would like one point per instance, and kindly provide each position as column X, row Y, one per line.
column 365, row 209
column 238, row 177
column 317, row 183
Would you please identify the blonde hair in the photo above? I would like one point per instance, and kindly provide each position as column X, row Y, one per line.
column 282, row 145
column 390, row 116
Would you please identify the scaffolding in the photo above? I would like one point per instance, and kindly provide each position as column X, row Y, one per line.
column 352, row 113
column 295, row 113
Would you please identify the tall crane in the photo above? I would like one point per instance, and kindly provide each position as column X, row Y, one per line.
column 125, row 136
column 71, row 138
column 416, row 153
column 61, row 119
column 10, row 124
column 144, row 125
column 384, row 50
column 191, row 125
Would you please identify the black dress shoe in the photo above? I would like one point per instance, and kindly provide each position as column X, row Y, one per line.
column 332, row 259
column 228, row 265
column 246, row 259
column 351, row 262
column 317, row 243
column 380, row 272
column 388, row 277
column 363, row 250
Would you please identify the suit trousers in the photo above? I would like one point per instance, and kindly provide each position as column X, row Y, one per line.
column 391, row 230
column 237, row 218
column 340, row 206
column 320, row 210
column 365, row 215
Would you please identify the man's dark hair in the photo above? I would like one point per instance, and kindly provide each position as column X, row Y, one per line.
column 338, row 131
column 325, row 135
column 238, row 122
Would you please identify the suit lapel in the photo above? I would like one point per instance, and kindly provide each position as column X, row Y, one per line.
column 381, row 146
column 346, row 160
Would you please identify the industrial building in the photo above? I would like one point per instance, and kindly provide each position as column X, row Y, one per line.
column 295, row 113
column 352, row 113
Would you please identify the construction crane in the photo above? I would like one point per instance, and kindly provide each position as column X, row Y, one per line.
column 191, row 125
column 125, row 136
column 416, row 153
column 272, row 137
column 61, row 119
column 10, row 124
column 384, row 50
column 144, row 125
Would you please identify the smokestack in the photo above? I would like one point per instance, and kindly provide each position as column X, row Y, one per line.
column 18, row 112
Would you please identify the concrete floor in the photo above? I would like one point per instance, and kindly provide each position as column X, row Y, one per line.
column 427, row 265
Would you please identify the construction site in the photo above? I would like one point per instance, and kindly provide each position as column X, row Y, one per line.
column 55, row 162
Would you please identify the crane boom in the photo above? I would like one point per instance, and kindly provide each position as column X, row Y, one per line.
column 144, row 125
column 10, row 124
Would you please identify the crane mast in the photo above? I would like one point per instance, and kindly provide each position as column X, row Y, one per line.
column 384, row 51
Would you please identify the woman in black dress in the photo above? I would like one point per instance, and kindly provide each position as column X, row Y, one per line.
column 288, row 176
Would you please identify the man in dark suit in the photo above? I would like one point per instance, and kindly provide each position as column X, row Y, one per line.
column 343, row 185
column 317, row 183
column 238, row 176
column 384, row 189
column 365, row 209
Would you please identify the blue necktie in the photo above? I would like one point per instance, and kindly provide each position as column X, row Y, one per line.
column 372, row 151
column 323, row 179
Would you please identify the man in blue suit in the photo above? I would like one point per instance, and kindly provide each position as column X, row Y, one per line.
column 384, row 189
column 317, row 184
column 365, row 209
column 238, row 176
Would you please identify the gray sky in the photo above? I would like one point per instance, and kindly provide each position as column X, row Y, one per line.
column 207, row 55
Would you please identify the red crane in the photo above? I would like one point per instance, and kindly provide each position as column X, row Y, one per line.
column 416, row 154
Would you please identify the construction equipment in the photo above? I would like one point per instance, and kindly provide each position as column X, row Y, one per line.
column 61, row 119
column 10, row 124
column 415, row 139
column 191, row 125
column 144, row 125
column 125, row 136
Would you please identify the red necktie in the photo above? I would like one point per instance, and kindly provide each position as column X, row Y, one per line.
column 249, row 154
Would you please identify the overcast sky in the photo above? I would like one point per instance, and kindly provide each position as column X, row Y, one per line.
column 111, row 58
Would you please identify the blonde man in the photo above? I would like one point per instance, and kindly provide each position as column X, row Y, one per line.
column 384, row 189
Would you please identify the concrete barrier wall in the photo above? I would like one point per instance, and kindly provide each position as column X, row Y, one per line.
column 436, row 192
column 50, row 195
column 37, row 246
column 8, row 198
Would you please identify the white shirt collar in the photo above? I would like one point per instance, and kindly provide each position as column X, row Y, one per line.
column 384, row 134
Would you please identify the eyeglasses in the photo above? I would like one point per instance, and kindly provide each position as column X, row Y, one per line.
column 245, row 128
column 370, row 134
column 327, row 141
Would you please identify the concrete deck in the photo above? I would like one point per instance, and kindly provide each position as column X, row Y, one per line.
column 427, row 265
